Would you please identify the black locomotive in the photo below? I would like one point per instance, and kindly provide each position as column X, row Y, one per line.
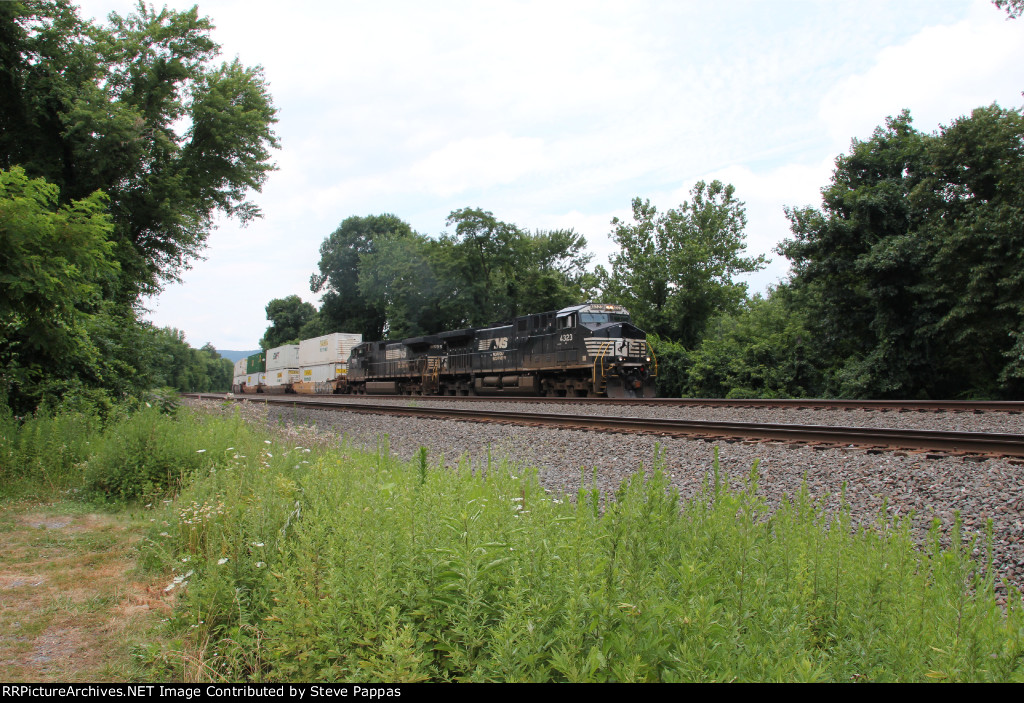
column 587, row 350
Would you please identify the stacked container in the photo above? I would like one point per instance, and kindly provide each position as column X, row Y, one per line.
column 282, row 368
column 323, row 362
column 255, row 372
column 238, row 378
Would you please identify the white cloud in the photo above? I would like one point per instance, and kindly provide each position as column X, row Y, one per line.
column 941, row 73
column 477, row 162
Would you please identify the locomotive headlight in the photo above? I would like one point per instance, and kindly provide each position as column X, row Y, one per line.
column 622, row 358
column 648, row 358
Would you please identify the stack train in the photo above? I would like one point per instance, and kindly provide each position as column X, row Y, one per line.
column 590, row 350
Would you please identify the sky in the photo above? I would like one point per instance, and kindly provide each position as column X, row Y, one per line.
column 557, row 114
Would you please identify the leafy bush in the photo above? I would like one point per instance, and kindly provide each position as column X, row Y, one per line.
column 151, row 454
column 673, row 362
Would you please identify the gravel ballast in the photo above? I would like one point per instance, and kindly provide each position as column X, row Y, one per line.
column 899, row 482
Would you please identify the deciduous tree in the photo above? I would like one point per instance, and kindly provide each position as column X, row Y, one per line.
column 288, row 316
column 676, row 270
column 140, row 109
column 912, row 267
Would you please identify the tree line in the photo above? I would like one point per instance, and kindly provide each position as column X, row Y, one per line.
column 119, row 143
column 908, row 281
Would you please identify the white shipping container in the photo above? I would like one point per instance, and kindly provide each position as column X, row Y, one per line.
column 240, row 368
column 332, row 348
column 323, row 372
column 255, row 379
column 286, row 357
column 282, row 377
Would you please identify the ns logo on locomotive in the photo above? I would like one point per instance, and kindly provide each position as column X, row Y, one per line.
column 590, row 350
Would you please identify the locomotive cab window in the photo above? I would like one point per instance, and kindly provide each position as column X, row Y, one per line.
column 595, row 319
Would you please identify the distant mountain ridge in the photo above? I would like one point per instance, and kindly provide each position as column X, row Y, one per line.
column 235, row 355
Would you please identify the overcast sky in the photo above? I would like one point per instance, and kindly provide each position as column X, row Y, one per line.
column 557, row 114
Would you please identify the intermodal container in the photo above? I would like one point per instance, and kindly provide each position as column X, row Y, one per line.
column 331, row 348
column 323, row 372
column 257, row 363
column 283, row 377
column 286, row 357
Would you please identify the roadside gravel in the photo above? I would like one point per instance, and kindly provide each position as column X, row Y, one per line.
column 901, row 483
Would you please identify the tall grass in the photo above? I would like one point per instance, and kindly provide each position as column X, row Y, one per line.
column 292, row 563
column 303, row 565
column 146, row 454
column 44, row 453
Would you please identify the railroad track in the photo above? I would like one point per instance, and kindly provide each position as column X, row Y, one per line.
column 936, row 406
column 975, row 444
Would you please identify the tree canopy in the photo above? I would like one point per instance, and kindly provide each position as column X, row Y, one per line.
column 119, row 144
column 1014, row 8
column 675, row 271
column 288, row 316
column 140, row 110
column 384, row 280
column 342, row 279
column 912, row 269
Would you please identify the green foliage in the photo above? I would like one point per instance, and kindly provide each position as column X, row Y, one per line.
column 54, row 261
column 674, row 271
column 121, row 143
column 380, row 278
column 162, row 358
column 673, row 363
column 345, row 309
column 912, row 269
column 165, row 400
column 762, row 351
column 91, row 107
column 288, row 317
column 295, row 564
column 44, row 452
column 505, row 271
column 302, row 565
column 153, row 453
column 1014, row 8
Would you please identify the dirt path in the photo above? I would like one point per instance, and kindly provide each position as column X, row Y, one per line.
column 70, row 602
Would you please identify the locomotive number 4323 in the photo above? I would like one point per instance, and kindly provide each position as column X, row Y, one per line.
column 565, row 338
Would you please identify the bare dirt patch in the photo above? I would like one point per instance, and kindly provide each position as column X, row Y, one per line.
column 70, row 601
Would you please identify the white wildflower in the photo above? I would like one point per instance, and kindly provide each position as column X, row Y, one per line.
column 222, row 561
column 200, row 451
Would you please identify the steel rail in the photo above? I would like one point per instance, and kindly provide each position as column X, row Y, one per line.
column 974, row 406
column 924, row 440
